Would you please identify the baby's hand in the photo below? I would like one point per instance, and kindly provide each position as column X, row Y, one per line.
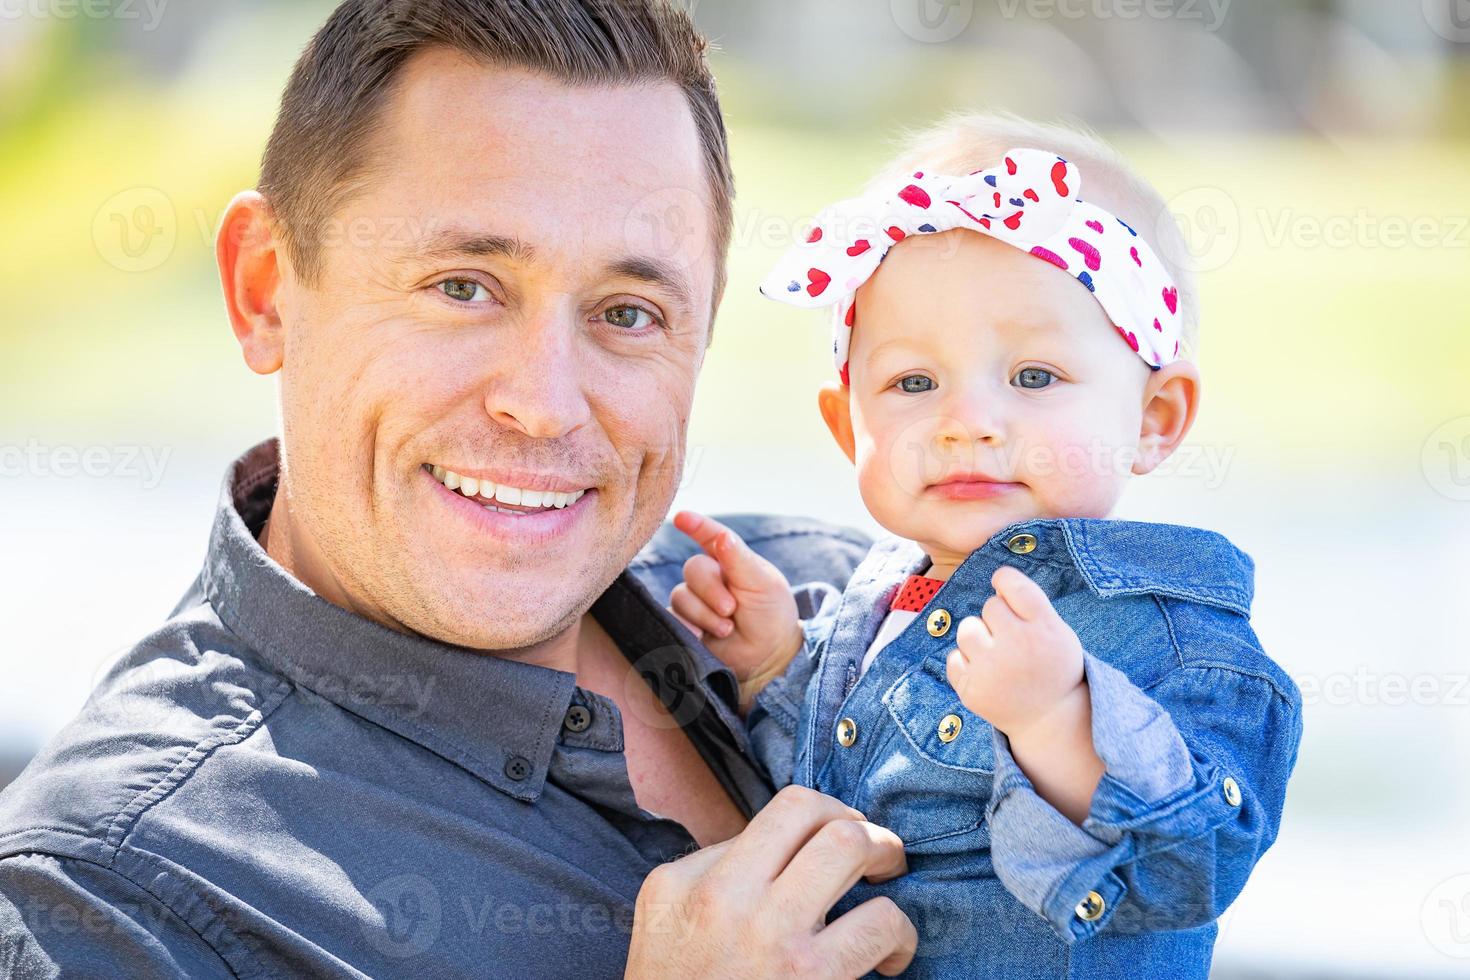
column 738, row 603
column 1018, row 660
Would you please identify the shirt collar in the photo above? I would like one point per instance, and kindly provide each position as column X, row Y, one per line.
column 498, row 718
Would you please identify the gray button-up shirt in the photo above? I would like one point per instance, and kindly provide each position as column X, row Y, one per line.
column 269, row 785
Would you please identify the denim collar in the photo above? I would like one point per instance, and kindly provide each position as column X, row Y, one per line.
column 498, row 718
column 1114, row 558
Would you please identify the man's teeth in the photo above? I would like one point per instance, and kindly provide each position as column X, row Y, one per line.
column 489, row 494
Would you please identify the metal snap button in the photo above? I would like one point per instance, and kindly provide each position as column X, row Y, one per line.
column 846, row 732
column 1232, row 791
column 517, row 768
column 1022, row 544
column 578, row 718
column 1090, row 909
column 949, row 727
column 939, row 622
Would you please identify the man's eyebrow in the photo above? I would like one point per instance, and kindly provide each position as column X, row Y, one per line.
column 448, row 243
column 655, row 273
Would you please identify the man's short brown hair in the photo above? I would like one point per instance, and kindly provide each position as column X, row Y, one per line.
column 317, row 155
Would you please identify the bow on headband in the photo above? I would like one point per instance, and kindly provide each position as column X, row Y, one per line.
column 1032, row 200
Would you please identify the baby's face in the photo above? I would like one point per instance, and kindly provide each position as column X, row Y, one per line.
column 973, row 361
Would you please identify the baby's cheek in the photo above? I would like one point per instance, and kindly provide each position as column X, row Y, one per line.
column 1078, row 477
column 888, row 491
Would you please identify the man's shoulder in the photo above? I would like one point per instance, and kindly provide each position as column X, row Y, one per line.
column 156, row 712
column 805, row 549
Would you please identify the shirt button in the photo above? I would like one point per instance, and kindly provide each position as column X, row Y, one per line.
column 949, row 727
column 578, row 718
column 939, row 622
column 517, row 768
column 846, row 732
column 1090, row 909
column 1232, row 791
column 1022, row 544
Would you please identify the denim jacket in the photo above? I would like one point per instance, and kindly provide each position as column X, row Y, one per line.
column 1198, row 730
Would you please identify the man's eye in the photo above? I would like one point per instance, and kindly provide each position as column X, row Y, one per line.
column 1032, row 378
column 464, row 290
column 631, row 318
column 916, row 383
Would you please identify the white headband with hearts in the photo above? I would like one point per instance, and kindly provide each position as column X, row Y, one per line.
column 1031, row 200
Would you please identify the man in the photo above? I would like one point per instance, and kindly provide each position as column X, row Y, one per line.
column 423, row 712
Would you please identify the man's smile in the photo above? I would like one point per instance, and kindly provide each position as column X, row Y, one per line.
column 511, row 498
column 500, row 510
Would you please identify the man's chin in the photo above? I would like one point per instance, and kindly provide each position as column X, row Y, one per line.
column 514, row 623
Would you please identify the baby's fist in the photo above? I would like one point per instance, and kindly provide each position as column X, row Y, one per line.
column 1018, row 659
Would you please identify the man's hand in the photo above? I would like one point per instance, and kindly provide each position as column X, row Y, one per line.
column 756, row 905
column 738, row 603
column 1018, row 660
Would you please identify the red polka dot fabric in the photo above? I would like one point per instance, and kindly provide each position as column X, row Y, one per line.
column 916, row 592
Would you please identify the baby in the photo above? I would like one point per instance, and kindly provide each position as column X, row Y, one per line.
column 1067, row 719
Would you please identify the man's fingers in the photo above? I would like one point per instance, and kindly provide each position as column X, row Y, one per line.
column 779, row 829
column 1024, row 597
column 874, row 936
column 702, row 575
column 830, row 863
column 692, row 609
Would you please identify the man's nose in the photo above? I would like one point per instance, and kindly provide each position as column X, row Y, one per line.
column 537, row 388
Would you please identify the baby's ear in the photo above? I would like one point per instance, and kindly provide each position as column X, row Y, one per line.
column 835, row 402
column 1171, row 399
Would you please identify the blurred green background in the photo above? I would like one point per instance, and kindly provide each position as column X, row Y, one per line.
column 1317, row 155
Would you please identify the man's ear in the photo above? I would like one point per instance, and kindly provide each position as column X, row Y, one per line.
column 835, row 401
column 250, row 261
column 1170, row 401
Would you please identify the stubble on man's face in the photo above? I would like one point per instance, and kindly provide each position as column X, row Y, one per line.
column 522, row 292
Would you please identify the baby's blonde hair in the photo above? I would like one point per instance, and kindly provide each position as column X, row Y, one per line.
column 966, row 142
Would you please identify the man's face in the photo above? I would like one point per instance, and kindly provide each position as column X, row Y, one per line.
column 501, row 302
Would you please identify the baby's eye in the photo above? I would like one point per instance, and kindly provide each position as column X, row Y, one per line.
column 1033, row 378
column 464, row 290
column 916, row 383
